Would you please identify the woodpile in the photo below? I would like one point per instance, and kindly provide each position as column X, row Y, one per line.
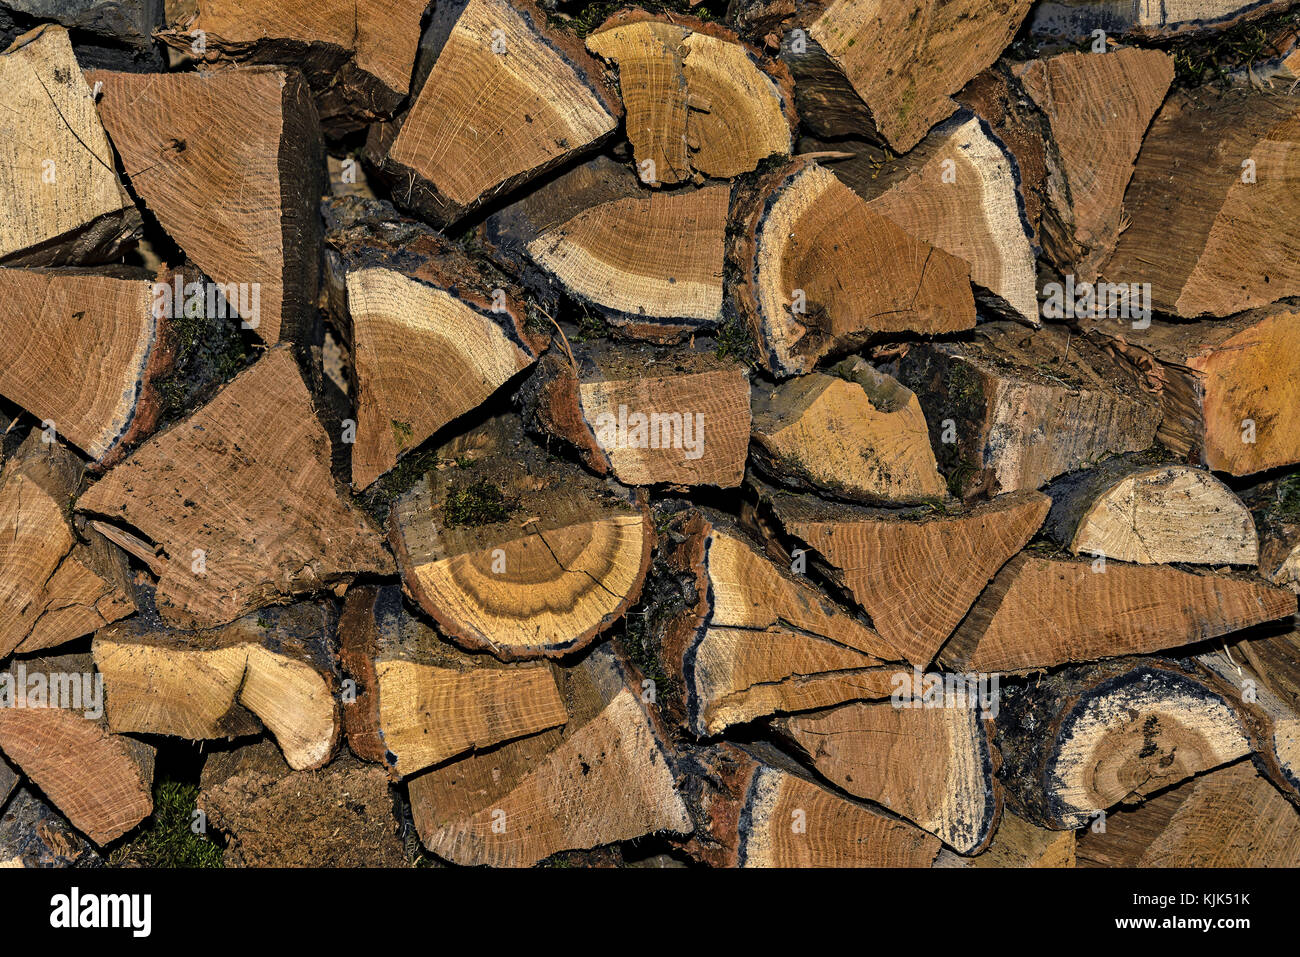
column 776, row 433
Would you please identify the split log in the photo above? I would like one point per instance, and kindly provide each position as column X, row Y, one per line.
column 253, row 516
column 931, row 52
column 1133, row 510
column 959, row 194
column 914, row 572
column 61, row 202
column 338, row 816
column 932, row 763
column 8, row 781
column 733, row 637
column 1227, row 818
column 84, row 351
column 855, row 433
column 1265, row 690
column 1040, row 612
column 236, row 189
column 127, row 22
column 1097, row 108
column 1075, row 20
column 33, row 834
column 603, row 778
column 1013, row 409
column 420, row 700
column 1229, row 388
column 699, row 102
column 1018, row 843
column 1214, row 170
column 803, row 232
column 651, row 264
column 754, row 807
column 457, row 147
column 57, row 581
column 413, row 301
column 1076, row 743
column 646, row 415
column 276, row 666
column 357, row 57
column 515, row 553
column 52, row 729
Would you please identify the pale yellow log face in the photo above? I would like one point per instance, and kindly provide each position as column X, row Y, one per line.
column 485, row 116
column 545, row 589
column 56, row 167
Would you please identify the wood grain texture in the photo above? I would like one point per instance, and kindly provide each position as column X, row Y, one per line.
column 507, row 99
column 237, row 189
column 1204, row 229
column 934, row 50
column 1077, row 19
column 256, row 498
column 698, row 100
column 932, row 765
column 61, row 202
column 274, row 668
column 421, row 700
column 821, row 271
column 855, row 433
column 1085, row 739
column 555, row 558
column 915, row 573
column 1040, row 612
column 603, row 778
column 53, row 587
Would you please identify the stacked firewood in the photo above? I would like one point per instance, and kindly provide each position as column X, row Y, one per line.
column 783, row 433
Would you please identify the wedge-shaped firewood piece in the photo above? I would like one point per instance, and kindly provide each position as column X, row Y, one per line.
column 61, row 202
column 1041, row 612
column 518, row 554
column 1230, row 389
column 357, row 56
column 821, row 272
column 52, row 729
column 101, row 344
column 1231, row 817
column 930, row 761
column 340, row 815
column 507, row 99
column 1018, row 843
column 959, row 194
column 253, row 516
column 1013, row 409
column 8, row 780
column 748, row 638
column 54, row 586
column 415, row 301
column 1076, row 20
column 645, row 415
column 698, row 100
column 237, row 189
column 906, row 58
column 1214, row 170
column 1265, row 689
column 650, row 264
column 1097, row 108
column 855, row 433
column 915, row 572
column 603, row 778
column 1082, row 740
column 754, row 807
column 33, row 834
column 128, row 23
column 1133, row 509
column 277, row 665
column 420, row 700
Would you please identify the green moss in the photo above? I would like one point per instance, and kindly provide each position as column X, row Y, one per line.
column 1212, row 58
column 402, row 433
column 167, row 839
column 479, row 504
column 733, row 340
column 1288, row 498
